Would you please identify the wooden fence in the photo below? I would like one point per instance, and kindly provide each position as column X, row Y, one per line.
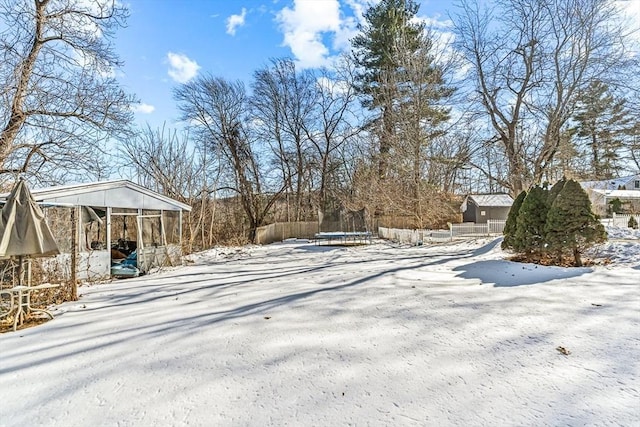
column 464, row 230
column 280, row 231
column 306, row 230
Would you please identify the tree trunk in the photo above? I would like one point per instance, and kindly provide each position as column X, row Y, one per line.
column 576, row 257
column 385, row 142
column 17, row 117
column 74, row 254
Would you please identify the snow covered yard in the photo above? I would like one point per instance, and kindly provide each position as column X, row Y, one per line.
column 299, row 334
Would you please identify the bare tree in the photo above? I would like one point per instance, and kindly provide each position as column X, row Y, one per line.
column 216, row 111
column 60, row 101
column 282, row 102
column 447, row 156
column 164, row 160
column 171, row 163
column 634, row 144
column 333, row 128
column 529, row 61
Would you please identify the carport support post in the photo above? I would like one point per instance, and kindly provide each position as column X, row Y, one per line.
column 74, row 255
column 109, row 210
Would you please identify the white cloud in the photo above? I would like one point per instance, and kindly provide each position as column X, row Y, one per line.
column 349, row 25
column 310, row 25
column 337, row 87
column 181, row 68
column 143, row 108
column 630, row 14
column 435, row 22
column 303, row 28
column 359, row 7
column 630, row 7
column 235, row 21
column 84, row 22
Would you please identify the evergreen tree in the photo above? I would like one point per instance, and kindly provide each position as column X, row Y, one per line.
column 571, row 225
column 553, row 194
column 615, row 206
column 633, row 223
column 530, row 233
column 396, row 68
column 602, row 123
column 555, row 190
column 511, row 223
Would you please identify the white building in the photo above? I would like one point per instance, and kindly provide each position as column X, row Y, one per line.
column 625, row 189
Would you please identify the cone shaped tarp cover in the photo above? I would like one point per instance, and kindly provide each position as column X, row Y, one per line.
column 23, row 230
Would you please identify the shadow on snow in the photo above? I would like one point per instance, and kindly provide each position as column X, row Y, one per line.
column 508, row 273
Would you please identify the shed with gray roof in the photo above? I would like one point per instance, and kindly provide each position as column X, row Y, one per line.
column 479, row 208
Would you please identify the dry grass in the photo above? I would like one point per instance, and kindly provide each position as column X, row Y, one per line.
column 564, row 261
column 40, row 299
column 6, row 324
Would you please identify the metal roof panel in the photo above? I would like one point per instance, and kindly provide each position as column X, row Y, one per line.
column 116, row 193
column 498, row 200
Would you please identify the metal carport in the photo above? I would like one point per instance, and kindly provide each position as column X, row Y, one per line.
column 105, row 213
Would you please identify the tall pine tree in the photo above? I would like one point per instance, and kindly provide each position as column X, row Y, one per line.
column 394, row 56
column 602, row 123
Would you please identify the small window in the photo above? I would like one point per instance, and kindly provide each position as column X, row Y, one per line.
column 483, row 213
column 636, row 184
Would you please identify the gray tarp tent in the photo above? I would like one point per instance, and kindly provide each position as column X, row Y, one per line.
column 24, row 233
column 23, row 230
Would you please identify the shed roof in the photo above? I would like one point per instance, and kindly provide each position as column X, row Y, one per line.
column 487, row 200
column 116, row 194
column 497, row 200
column 621, row 194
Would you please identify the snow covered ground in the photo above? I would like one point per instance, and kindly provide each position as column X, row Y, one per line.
column 299, row 334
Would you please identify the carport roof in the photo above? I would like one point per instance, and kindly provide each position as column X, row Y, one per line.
column 116, row 194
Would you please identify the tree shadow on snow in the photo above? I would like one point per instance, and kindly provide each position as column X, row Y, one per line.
column 507, row 273
column 488, row 247
column 319, row 248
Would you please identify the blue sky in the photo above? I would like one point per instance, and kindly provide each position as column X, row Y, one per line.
column 168, row 42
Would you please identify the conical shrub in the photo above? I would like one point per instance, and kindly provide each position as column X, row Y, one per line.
column 511, row 223
column 530, row 225
column 571, row 225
